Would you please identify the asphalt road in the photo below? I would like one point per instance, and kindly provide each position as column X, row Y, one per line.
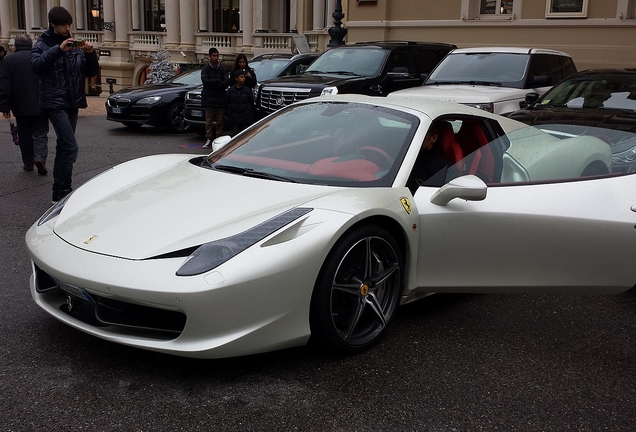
column 448, row 363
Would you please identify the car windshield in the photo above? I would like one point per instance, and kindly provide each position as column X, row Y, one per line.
column 612, row 91
column 325, row 143
column 268, row 68
column 481, row 68
column 350, row 61
column 187, row 78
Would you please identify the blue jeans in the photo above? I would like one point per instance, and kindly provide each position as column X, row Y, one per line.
column 64, row 123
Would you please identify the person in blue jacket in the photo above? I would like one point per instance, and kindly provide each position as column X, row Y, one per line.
column 63, row 64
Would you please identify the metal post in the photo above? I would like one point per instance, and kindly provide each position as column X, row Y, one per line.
column 337, row 32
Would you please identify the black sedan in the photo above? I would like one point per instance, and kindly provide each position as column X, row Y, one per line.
column 154, row 104
column 602, row 100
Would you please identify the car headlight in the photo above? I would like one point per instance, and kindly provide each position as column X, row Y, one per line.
column 625, row 157
column 486, row 106
column 211, row 255
column 54, row 211
column 329, row 91
column 149, row 100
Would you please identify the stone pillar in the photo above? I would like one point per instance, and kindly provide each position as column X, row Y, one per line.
column 293, row 10
column 319, row 14
column 120, row 20
column 80, row 15
column 203, row 15
column 135, row 16
column 5, row 21
column 173, row 29
column 109, row 16
column 186, row 23
column 247, row 11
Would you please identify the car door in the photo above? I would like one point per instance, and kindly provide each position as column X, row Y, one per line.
column 557, row 232
column 400, row 71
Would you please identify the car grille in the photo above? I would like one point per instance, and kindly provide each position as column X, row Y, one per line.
column 104, row 312
column 275, row 98
column 118, row 102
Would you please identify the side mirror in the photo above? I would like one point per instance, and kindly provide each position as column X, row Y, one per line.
column 220, row 142
column 541, row 81
column 531, row 98
column 468, row 187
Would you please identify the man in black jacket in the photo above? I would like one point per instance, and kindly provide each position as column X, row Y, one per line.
column 215, row 82
column 19, row 93
column 63, row 64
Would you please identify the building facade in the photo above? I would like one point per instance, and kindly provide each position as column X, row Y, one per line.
column 596, row 33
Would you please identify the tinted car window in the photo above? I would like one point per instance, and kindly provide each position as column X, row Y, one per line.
column 491, row 67
column 187, row 78
column 539, row 66
column 358, row 61
column 556, row 72
column 425, row 60
column 608, row 91
column 266, row 69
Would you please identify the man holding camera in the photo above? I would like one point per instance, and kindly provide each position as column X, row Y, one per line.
column 63, row 64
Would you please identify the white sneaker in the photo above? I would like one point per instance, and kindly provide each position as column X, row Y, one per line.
column 208, row 144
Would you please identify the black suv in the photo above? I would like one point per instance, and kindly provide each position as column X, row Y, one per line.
column 265, row 66
column 370, row 68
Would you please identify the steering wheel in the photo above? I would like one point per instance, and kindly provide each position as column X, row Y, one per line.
column 376, row 155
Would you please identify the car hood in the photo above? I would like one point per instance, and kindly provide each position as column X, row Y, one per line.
column 309, row 80
column 151, row 90
column 463, row 93
column 602, row 118
column 160, row 204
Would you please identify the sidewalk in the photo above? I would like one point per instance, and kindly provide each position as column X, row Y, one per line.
column 95, row 106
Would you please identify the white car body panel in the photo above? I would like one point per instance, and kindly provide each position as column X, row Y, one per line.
column 504, row 99
column 560, row 237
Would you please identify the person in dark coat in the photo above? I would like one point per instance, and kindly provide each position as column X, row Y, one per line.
column 241, row 64
column 63, row 67
column 19, row 93
column 240, row 103
column 3, row 53
column 429, row 163
column 215, row 82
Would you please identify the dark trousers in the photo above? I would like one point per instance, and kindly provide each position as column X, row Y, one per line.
column 64, row 123
column 34, row 141
column 213, row 122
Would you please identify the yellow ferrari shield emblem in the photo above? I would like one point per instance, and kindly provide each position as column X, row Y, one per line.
column 406, row 203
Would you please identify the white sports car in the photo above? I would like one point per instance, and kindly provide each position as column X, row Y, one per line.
column 318, row 222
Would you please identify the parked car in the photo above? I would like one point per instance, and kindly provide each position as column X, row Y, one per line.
column 370, row 68
column 494, row 79
column 603, row 101
column 158, row 105
column 307, row 225
column 266, row 66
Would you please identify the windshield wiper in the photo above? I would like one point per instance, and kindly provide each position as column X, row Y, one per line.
column 488, row 83
column 343, row 73
column 249, row 172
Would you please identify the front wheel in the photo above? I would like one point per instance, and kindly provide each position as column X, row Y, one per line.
column 357, row 290
column 176, row 121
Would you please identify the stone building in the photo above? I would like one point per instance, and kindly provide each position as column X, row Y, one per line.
column 597, row 33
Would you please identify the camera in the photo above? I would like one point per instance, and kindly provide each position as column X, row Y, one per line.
column 77, row 43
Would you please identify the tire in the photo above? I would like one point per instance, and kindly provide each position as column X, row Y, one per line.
column 132, row 125
column 357, row 290
column 175, row 121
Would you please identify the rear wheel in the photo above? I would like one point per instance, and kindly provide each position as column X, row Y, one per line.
column 357, row 290
column 175, row 121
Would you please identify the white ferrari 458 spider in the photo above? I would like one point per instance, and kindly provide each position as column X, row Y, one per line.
column 321, row 219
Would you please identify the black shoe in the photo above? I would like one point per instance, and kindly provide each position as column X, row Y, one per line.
column 27, row 168
column 58, row 194
column 41, row 168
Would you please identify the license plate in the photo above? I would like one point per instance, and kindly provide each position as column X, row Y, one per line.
column 116, row 110
column 75, row 290
column 196, row 113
